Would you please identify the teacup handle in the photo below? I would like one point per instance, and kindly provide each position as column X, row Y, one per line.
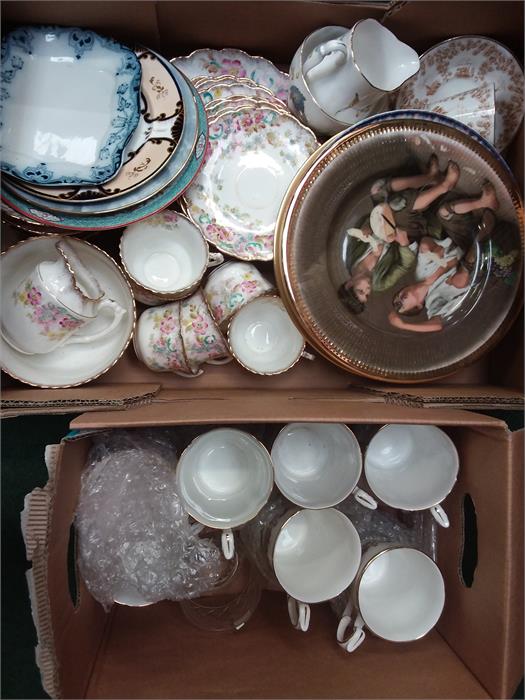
column 221, row 361
column 228, row 544
column 440, row 516
column 307, row 355
column 321, row 51
column 356, row 638
column 118, row 313
column 299, row 614
column 215, row 259
column 364, row 498
column 189, row 375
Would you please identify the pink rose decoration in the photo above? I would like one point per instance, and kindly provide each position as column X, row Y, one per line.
column 199, row 324
column 34, row 296
column 248, row 286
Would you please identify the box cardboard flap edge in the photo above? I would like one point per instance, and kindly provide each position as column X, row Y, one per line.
column 111, row 397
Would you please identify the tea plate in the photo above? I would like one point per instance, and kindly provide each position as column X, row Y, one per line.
column 70, row 365
column 193, row 143
column 252, row 157
column 465, row 63
column 149, row 148
column 82, row 92
column 214, row 62
column 389, row 289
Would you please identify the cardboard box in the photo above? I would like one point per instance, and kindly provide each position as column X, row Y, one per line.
column 275, row 30
column 152, row 652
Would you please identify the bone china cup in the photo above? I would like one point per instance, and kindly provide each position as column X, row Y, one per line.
column 165, row 256
column 412, row 467
column 318, row 465
column 398, row 594
column 158, row 340
column 224, row 478
column 231, row 286
column 263, row 338
column 315, row 555
column 202, row 339
column 53, row 303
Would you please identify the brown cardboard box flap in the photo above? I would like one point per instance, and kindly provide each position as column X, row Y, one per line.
column 217, row 406
column 110, row 397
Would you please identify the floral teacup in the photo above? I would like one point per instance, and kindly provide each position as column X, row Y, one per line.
column 59, row 298
column 158, row 340
column 231, row 286
column 202, row 339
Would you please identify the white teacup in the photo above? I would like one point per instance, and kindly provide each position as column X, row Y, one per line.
column 412, row 467
column 224, row 478
column 52, row 304
column 315, row 555
column 351, row 73
column 263, row 338
column 318, row 465
column 231, row 286
column 300, row 99
column 398, row 594
column 165, row 256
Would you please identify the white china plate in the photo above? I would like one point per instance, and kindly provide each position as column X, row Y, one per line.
column 73, row 364
column 252, row 157
column 465, row 63
column 154, row 195
column 150, row 147
column 214, row 62
column 81, row 91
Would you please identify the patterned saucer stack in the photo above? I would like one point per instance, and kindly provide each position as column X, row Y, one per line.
column 255, row 148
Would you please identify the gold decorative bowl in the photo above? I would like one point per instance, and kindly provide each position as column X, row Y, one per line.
column 413, row 277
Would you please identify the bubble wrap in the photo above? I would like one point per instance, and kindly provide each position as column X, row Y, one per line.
column 133, row 532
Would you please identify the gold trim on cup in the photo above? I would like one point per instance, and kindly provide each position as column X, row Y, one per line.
column 269, row 493
column 354, row 590
column 127, row 342
column 432, row 505
column 76, row 286
column 183, row 292
column 272, row 294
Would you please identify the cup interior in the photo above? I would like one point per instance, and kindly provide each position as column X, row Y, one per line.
column 164, row 256
column 224, row 478
column 316, row 554
column 401, row 594
column 317, row 465
column 411, row 466
column 263, row 337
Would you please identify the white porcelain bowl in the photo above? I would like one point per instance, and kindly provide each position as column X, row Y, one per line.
column 316, row 554
column 317, row 465
column 224, row 478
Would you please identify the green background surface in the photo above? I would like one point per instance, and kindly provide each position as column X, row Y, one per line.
column 23, row 468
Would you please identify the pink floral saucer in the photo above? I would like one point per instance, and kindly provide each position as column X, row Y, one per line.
column 253, row 155
column 213, row 62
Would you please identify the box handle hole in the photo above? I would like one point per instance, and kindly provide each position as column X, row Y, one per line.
column 72, row 566
column 469, row 555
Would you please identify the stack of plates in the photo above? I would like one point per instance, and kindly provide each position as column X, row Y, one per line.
column 95, row 135
column 255, row 148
